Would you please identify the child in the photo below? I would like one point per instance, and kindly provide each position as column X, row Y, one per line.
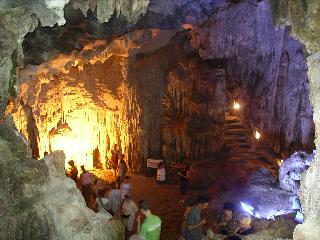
column 161, row 174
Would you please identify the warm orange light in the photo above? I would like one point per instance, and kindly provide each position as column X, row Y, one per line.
column 279, row 162
column 257, row 135
column 236, row 106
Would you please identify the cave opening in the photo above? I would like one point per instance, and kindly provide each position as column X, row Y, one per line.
column 212, row 86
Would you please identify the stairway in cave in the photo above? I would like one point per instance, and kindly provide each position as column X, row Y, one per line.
column 246, row 154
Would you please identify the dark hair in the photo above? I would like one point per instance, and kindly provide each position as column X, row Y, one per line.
column 228, row 206
column 113, row 185
column 203, row 199
column 144, row 205
column 190, row 202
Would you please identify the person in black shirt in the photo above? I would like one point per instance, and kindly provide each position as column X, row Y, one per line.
column 184, row 183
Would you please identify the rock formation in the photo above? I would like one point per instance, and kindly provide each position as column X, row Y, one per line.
column 291, row 169
column 304, row 18
column 39, row 202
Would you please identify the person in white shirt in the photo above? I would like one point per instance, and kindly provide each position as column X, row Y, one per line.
column 161, row 174
column 129, row 209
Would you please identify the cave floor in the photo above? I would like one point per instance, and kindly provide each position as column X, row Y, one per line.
column 164, row 201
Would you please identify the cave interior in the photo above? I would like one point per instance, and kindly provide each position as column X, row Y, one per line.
column 215, row 84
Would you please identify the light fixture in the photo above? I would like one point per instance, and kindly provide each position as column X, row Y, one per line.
column 257, row 135
column 236, row 106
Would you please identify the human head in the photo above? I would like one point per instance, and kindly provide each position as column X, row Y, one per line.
column 82, row 168
column 71, row 163
column 203, row 202
column 115, row 146
column 228, row 208
column 190, row 202
column 104, row 192
column 126, row 179
column 45, row 153
column 144, row 207
column 113, row 185
column 244, row 220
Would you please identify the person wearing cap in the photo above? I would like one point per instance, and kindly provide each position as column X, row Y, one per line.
column 73, row 174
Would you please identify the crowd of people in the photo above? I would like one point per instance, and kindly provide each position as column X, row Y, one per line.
column 115, row 201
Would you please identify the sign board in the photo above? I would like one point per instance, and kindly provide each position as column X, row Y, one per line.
column 153, row 163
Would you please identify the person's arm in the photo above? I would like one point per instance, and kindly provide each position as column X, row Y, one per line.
column 195, row 226
column 179, row 173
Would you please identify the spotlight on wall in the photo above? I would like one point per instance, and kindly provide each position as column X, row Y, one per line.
column 257, row 135
column 236, row 106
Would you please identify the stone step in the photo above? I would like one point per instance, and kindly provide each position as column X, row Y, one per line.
column 235, row 126
column 231, row 121
column 239, row 145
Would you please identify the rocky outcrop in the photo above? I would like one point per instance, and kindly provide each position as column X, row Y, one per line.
column 39, row 202
column 291, row 169
column 304, row 19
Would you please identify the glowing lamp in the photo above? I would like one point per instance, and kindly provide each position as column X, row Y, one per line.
column 257, row 135
column 247, row 208
column 279, row 162
column 236, row 106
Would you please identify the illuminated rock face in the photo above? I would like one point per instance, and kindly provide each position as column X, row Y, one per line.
column 265, row 69
column 115, row 94
column 39, row 202
column 304, row 18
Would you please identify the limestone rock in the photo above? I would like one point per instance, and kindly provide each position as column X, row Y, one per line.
column 39, row 202
column 291, row 169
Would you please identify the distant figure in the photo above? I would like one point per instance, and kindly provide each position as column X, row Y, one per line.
column 115, row 201
column 151, row 226
column 45, row 153
column 73, row 174
column 227, row 223
column 85, row 181
column 129, row 209
column 122, row 170
column 184, row 226
column 184, row 183
column 161, row 174
column 91, row 202
column 195, row 223
column 125, row 186
column 102, row 200
column 244, row 224
column 115, row 159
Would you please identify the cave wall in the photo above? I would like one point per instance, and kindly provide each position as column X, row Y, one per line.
column 265, row 68
column 303, row 17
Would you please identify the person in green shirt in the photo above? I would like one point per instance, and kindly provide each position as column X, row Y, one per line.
column 151, row 226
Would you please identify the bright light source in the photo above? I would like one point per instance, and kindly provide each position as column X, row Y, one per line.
column 236, row 106
column 257, row 135
column 247, row 208
column 279, row 162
